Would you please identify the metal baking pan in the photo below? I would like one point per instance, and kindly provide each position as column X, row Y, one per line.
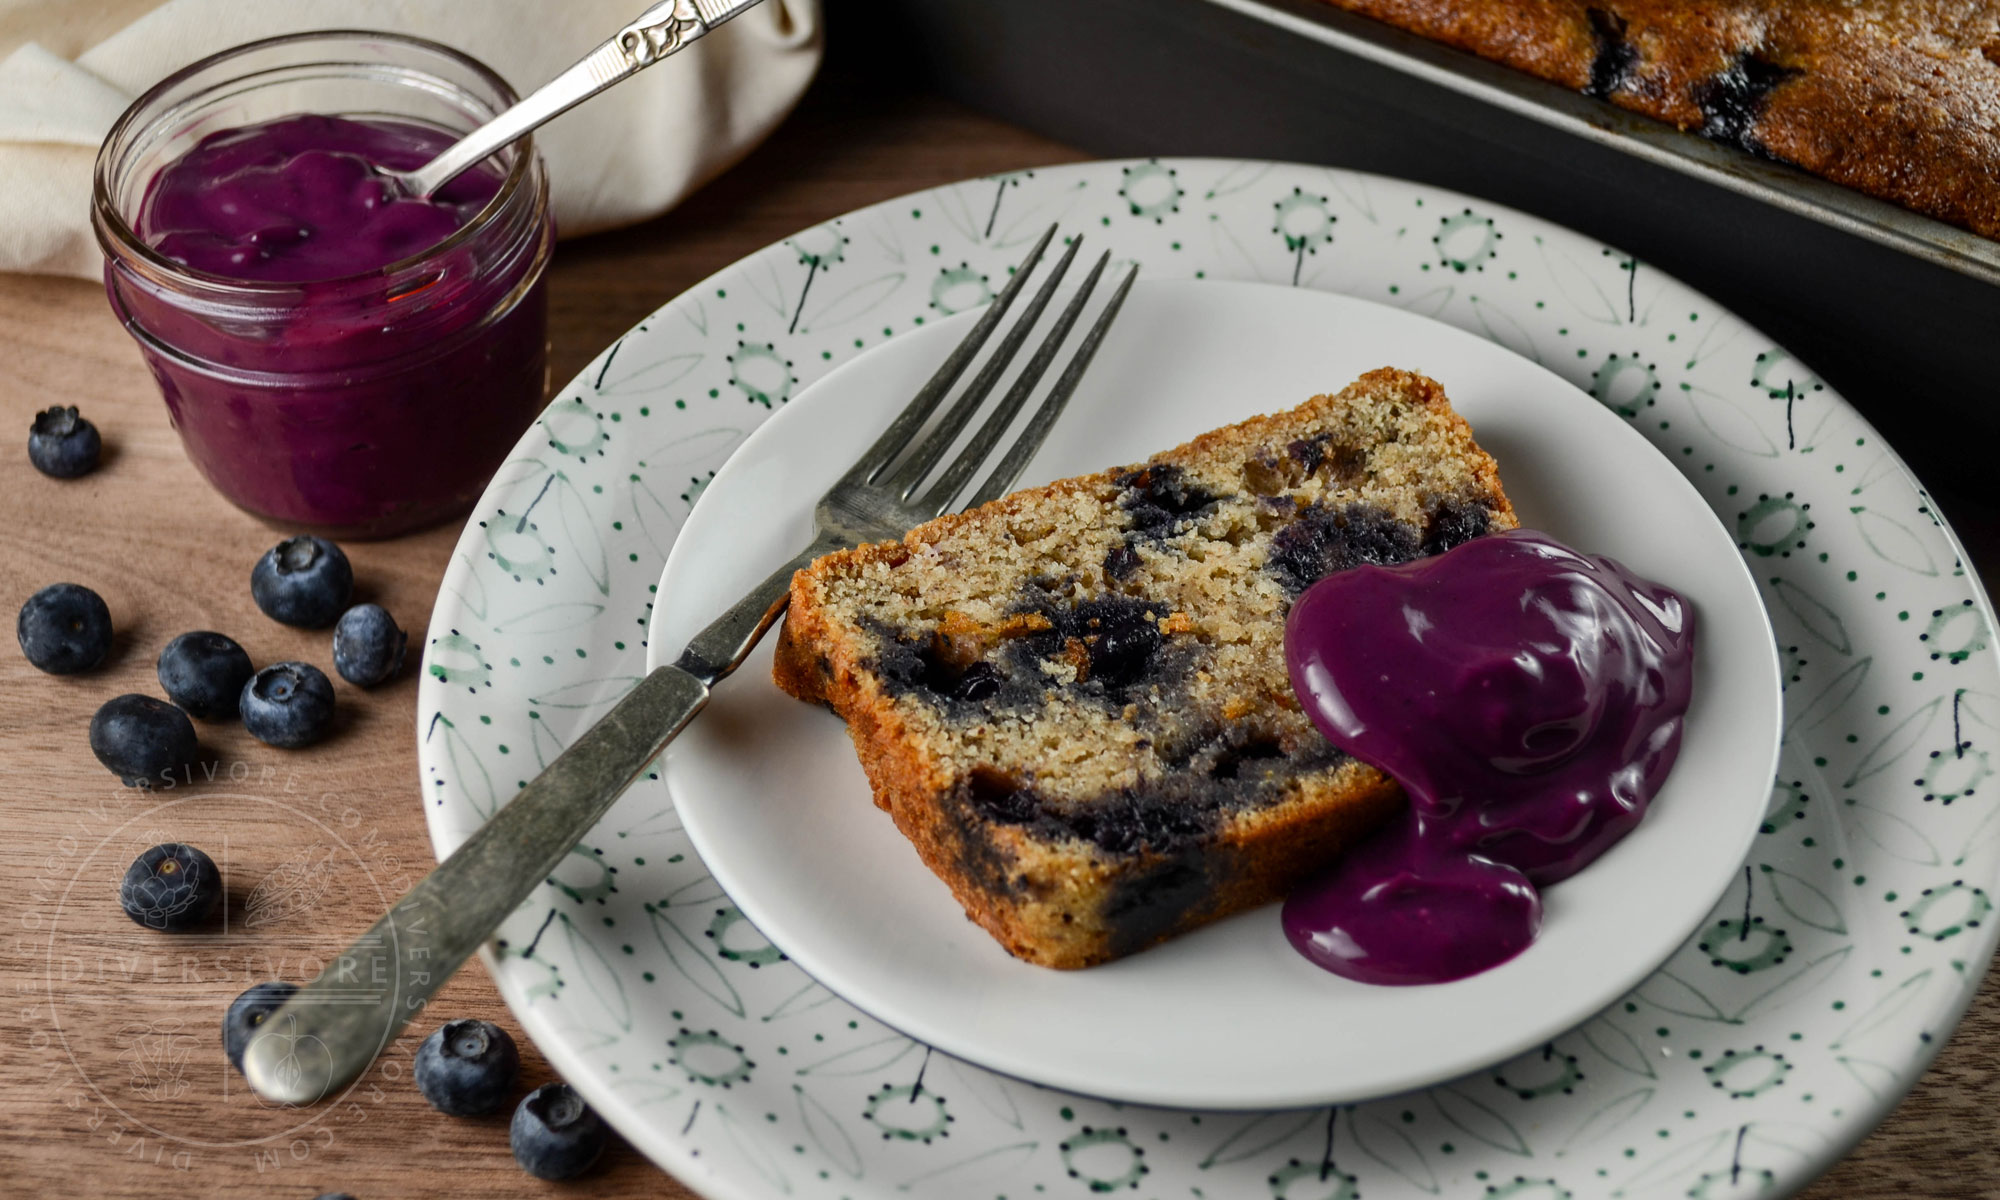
column 1774, row 183
column 1897, row 311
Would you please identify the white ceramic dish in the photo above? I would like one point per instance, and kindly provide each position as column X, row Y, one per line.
column 1802, row 1009
column 775, row 801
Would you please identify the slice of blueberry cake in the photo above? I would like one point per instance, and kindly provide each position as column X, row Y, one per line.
column 1073, row 700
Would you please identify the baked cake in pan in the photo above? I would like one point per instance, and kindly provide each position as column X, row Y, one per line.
column 1896, row 98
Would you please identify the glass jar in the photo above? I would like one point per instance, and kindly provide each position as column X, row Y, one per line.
column 366, row 405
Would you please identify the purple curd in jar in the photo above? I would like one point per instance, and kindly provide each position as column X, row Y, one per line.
column 1528, row 697
column 304, row 198
column 338, row 357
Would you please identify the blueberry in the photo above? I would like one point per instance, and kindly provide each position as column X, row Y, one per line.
column 367, row 646
column 1159, row 497
column 980, row 681
column 204, row 673
column 1616, row 57
column 303, row 581
column 1322, row 540
column 554, row 1133
column 64, row 628
column 247, row 1012
column 467, row 1068
column 1732, row 101
column 288, row 704
column 62, row 444
column 1120, row 638
column 1454, row 523
column 1120, row 561
column 141, row 739
column 171, row 887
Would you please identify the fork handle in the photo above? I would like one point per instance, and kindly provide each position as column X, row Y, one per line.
column 728, row 640
column 325, row 1036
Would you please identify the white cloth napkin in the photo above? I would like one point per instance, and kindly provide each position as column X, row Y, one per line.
column 70, row 69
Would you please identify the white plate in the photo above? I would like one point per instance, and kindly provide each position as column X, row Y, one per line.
column 1230, row 1016
column 1759, row 1053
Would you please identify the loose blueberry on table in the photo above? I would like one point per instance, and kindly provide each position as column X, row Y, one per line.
column 467, row 1068
column 303, row 581
column 247, row 1012
column 64, row 628
column 172, row 888
column 204, row 673
column 141, row 739
column 288, row 705
column 555, row 1135
column 367, row 646
column 63, row 444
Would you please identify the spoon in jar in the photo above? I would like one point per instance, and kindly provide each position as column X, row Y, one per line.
column 661, row 30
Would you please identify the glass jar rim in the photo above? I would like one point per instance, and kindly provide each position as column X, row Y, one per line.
column 113, row 225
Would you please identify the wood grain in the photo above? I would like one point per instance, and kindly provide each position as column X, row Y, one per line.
column 91, row 996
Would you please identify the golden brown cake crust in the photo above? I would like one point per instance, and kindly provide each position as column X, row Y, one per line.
column 1073, row 701
column 1896, row 98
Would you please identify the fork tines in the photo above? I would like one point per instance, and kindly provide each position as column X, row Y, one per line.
column 879, row 467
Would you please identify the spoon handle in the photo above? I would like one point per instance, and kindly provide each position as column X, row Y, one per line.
column 660, row 30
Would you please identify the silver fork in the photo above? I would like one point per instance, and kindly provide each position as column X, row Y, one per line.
column 325, row 1036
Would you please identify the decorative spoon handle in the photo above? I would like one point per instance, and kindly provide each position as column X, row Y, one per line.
column 660, row 30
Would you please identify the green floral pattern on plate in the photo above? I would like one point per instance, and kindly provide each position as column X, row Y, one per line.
column 1806, row 1005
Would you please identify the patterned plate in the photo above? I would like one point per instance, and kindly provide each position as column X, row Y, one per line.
column 1767, row 1046
column 1252, row 1024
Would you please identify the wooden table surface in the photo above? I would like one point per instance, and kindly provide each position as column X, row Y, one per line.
column 170, row 555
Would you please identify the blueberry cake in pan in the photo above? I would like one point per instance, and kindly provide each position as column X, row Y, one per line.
column 1073, row 700
column 1896, row 98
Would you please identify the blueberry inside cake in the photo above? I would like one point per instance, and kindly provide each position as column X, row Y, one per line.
column 1073, row 700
